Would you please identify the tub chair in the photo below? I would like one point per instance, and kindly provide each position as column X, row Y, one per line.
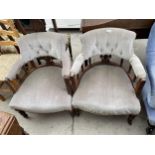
column 148, row 92
column 107, row 77
column 41, row 76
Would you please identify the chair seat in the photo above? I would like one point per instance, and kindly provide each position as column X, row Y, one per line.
column 6, row 63
column 106, row 90
column 43, row 91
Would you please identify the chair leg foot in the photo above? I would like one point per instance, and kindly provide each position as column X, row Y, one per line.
column 23, row 113
column 130, row 119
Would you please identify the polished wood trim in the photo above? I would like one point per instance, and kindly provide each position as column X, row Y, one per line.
column 31, row 66
column 105, row 60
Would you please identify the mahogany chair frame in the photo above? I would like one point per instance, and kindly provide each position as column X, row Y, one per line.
column 106, row 60
column 31, row 66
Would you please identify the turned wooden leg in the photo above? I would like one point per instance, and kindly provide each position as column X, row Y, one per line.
column 130, row 119
column 23, row 113
column 149, row 129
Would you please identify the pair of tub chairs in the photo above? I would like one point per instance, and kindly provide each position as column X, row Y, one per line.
column 106, row 78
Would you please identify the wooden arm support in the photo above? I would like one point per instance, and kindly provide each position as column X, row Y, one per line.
column 105, row 60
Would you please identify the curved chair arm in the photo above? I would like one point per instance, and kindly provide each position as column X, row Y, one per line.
column 139, row 72
column 138, row 67
column 15, row 69
column 12, row 78
column 77, row 65
column 66, row 64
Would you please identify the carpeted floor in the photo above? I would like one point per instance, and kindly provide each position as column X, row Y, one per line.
column 86, row 123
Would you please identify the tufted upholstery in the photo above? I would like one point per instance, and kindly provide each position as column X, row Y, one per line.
column 106, row 90
column 104, row 41
column 109, row 41
column 42, row 44
column 44, row 90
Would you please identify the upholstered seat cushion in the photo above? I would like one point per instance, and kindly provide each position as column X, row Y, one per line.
column 43, row 91
column 6, row 63
column 106, row 90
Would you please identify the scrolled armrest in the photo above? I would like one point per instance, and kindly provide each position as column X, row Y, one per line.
column 15, row 69
column 137, row 67
column 75, row 69
column 66, row 64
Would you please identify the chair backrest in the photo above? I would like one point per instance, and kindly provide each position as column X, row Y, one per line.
column 108, row 41
column 42, row 44
column 8, row 30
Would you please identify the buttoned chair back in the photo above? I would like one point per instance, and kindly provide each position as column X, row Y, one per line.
column 41, row 76
column 39, row 50
column 106, row 43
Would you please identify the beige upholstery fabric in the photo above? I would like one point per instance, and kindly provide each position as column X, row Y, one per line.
column 42, row 44
column 15, row 69
column 106, row 90
column 43, row 91
column 66, row 63
column 6, row 63
column 114, row 41
column 76, row 67
column 137, row 67
column 103, row 41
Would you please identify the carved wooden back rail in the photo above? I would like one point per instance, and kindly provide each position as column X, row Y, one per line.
column 106, row 60
column 31, row 66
